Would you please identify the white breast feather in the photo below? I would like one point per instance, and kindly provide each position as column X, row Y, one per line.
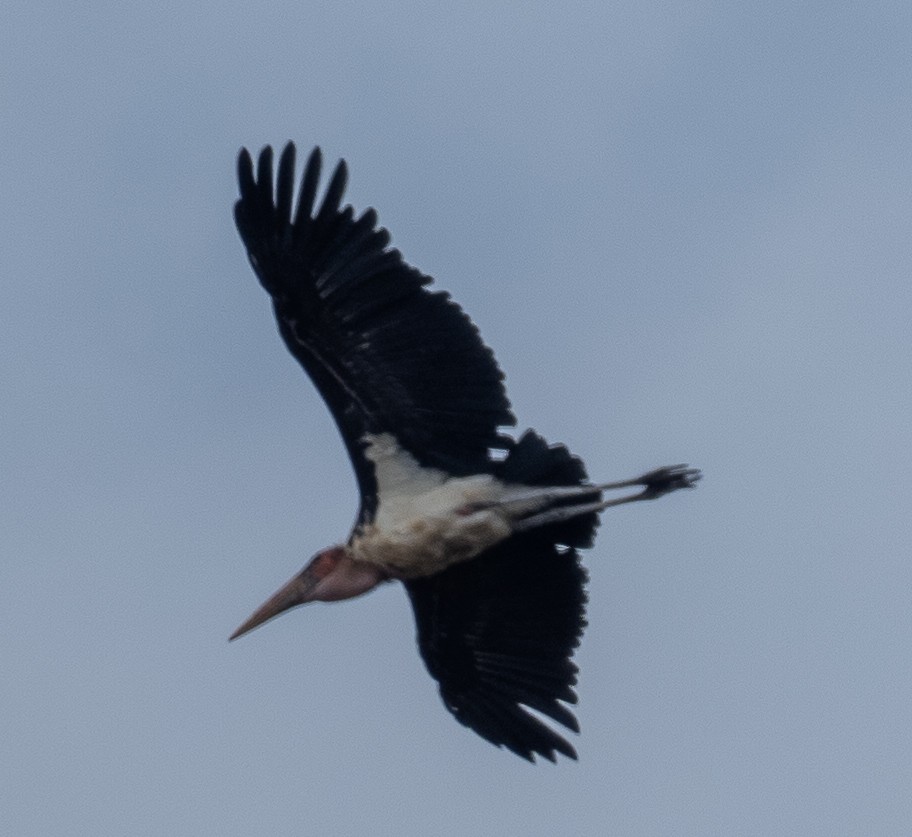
column 421, row 526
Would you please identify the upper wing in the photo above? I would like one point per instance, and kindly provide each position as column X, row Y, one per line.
column 498, row 634
column 386, row 354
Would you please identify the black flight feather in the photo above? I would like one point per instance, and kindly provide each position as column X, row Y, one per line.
column 387, row 354
column 498, row 632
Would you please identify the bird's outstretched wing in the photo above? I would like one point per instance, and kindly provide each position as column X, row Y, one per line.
column 498, row 633
column 387, row 354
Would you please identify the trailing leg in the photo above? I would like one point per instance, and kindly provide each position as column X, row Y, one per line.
column 655, row 484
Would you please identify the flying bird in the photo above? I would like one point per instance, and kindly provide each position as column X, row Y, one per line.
column 481, row 528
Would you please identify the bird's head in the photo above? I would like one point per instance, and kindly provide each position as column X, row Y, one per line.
column 331, row 575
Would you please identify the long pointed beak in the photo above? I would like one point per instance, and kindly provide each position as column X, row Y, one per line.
column 296, row 592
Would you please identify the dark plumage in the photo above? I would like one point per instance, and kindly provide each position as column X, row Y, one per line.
column 498, row 632
column 482, row 530
column 364, row 326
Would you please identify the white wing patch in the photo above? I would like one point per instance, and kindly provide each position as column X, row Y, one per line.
column 425, row 518
column 397, row 471
column 406, row 491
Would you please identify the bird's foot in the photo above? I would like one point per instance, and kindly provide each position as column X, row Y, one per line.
column 665, row 480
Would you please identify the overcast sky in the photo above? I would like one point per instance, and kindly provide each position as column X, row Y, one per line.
column 686, row 229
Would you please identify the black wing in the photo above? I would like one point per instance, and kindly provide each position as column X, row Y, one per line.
column 498, row 632
column 386, row 354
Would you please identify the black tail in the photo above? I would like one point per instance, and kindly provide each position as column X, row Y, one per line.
column 532, row 461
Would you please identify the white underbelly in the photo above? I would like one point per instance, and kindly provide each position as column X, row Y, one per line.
column 427, row 520
column 427, row 545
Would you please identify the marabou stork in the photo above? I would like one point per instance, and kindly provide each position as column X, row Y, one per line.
column 482, row 529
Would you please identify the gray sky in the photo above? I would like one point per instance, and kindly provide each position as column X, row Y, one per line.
column 685, row 229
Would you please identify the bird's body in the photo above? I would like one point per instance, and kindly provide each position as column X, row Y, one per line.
column 482, row 529
column 426, row 519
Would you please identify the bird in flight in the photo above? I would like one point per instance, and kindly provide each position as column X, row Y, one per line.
column 482, row 529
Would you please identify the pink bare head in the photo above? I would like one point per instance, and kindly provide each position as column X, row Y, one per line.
column 331, row 575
